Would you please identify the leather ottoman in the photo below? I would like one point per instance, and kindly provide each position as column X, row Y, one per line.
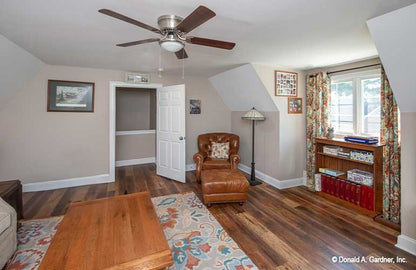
column 222, row 186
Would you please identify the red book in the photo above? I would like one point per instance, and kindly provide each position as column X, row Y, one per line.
column 357, row 194
column 352, row 194
column 363, row 201
column 347, row 191
column 342, row 190
column 323, row 183
column 370, row 199
column 332, row 181
column 337, row 183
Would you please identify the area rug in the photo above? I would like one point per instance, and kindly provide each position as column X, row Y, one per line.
column 33, row 239
column 195, row 237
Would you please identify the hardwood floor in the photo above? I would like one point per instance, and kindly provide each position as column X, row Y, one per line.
column 278, row 229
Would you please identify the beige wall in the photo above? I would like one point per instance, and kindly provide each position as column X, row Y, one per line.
column 347, row 66
column 408, row 175
column 289, row 159
column 135, row 109
column 135, row 146
column 215, row 116
column 37, row 146
column 266, row 141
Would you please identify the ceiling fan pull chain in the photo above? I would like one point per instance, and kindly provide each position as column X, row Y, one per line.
column 160, row 69
column 183, row 64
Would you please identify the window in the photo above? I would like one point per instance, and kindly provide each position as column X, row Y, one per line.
column 355, row 103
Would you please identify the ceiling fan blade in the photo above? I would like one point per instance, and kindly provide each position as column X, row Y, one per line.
column 211, row 43
column 129, row 20
column 200, row 15
column 181, row 54
column 132, row 43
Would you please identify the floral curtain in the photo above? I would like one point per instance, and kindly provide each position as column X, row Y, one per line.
column 318, row 95
column 390, row 136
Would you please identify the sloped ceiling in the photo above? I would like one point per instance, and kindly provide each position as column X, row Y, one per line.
column 17, row 66
column 298, row 34
column 241, row 89
column 395, row 37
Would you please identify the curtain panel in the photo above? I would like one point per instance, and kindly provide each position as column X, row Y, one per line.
column 318, row 97
column 390, row 137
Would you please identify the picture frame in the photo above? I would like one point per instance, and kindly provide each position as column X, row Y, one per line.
column 132, row 77
column 294, row 105
column 194, row 106
column 70, row 96
column 286, row 83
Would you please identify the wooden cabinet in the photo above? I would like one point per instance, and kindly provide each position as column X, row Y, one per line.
column 339, row 163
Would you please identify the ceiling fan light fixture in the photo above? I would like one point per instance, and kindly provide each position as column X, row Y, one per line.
column 172, row 46
column 171, row 43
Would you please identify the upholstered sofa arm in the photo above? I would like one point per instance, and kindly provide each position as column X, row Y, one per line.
column 234, row 159
column 199, row 159
column 8, row 239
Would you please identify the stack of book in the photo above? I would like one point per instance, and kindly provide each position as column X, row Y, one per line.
column 359, row 195
column 359, row 139
column 331, row 149
column 343, row 154
column 331, row 172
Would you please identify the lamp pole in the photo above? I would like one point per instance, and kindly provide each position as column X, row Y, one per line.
column 253, row 165
column 254, row 116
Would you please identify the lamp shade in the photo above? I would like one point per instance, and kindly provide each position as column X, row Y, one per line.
column 253, row 114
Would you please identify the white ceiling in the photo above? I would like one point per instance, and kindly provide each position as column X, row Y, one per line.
column 298, row 34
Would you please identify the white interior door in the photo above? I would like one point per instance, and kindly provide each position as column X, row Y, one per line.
column 170, row 142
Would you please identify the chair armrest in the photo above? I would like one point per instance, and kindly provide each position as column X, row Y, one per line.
column 199, row 159
column 234, row 159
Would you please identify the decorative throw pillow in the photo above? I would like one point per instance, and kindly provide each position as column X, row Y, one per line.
column 220, row 150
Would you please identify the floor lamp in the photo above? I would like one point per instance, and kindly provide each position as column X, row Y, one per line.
column 254, row 116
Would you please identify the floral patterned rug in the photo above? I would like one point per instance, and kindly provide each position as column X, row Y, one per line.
column 33, row 239
column 196, row 238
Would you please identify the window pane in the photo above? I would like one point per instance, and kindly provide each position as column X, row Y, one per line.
column 371, row 106
column 342, row 107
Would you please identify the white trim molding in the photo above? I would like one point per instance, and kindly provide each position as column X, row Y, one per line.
column 65, row 183
column 112, row 118
column 135, row 132
column 406, row 243
column 190, row 167
column 129, row 162
column 280, row 184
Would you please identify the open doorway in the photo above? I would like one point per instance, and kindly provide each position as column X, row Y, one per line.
column 170, row 130
column 135, row 126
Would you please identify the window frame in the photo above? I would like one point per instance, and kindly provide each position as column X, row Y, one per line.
column 356, row 78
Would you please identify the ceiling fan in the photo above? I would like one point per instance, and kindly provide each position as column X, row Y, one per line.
column 173, row 31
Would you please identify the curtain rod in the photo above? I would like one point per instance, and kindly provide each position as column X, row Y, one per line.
column 348, row 69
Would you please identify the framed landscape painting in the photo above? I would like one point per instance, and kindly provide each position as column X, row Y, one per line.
column 286, row 83
column 294, row 105
column 70, row 96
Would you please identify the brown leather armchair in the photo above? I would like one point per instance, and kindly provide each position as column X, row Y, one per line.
column 205, row 162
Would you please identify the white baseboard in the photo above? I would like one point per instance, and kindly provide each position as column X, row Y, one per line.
column 407, row 244
column 64, row 183
column 137, row 161
column 190, row 167
column 280, row 184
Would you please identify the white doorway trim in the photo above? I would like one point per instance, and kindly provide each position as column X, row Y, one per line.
column 112, row 129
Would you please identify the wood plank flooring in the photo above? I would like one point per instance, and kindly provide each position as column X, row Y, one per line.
column 278, row 229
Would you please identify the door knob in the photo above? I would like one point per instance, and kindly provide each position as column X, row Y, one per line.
column 181, row 138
